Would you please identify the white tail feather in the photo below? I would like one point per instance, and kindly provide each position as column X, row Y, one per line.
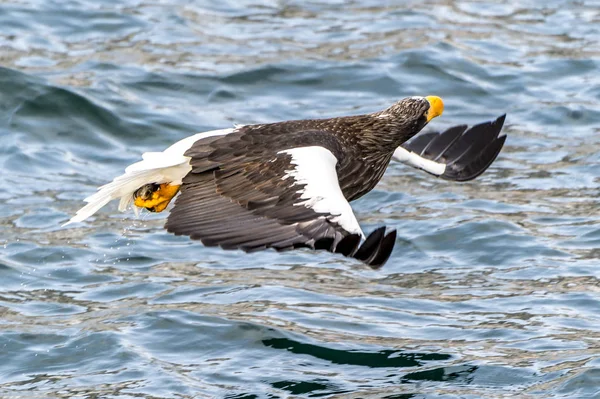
column 124, row 186
column 169, row 166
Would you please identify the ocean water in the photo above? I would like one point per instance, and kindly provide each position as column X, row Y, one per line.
column 493, row 289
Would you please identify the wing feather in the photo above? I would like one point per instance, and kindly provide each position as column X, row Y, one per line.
column 289, row 200
column 458, row 153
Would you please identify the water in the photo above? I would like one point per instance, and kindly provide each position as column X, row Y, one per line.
column 492, row 290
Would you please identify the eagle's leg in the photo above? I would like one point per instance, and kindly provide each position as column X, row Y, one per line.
column 155, row 197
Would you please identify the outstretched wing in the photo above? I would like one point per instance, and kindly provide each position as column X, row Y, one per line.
column 292, row 200
column 456, row 154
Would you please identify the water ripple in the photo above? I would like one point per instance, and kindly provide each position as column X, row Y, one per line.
column 492, row 289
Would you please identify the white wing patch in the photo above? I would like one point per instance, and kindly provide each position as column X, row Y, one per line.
column 315, row 169
column 414, row 160
column 168, row 166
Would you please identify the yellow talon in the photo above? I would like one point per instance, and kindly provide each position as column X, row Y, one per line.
column 154, row 197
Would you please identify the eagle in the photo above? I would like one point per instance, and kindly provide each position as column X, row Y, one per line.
column 289, row 184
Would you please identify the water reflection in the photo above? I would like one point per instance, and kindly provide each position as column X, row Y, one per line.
column 493, row 285
column 382, row 358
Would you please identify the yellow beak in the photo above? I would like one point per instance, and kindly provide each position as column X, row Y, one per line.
column 436, row 107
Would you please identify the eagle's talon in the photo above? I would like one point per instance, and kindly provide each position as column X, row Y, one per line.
column 155, row 197
column 145, row 192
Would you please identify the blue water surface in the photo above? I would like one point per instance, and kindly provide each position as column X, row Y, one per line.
column 492, row 289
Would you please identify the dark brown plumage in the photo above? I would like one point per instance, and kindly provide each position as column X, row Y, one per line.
column 287, row 185
column 237, row 194
column 466, row 153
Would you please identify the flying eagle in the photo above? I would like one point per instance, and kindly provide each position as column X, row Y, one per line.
column 288, row 185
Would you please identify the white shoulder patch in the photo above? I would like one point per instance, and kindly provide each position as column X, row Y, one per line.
column 416, row 161
column 315, row 169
